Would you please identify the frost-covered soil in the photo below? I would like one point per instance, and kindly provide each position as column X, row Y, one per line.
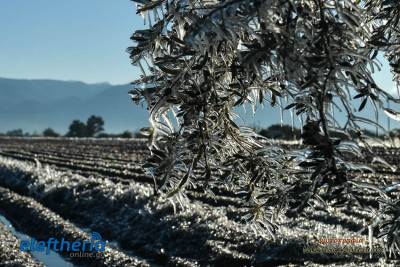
column 10, row 253
column 204, row 233
column 42, row 223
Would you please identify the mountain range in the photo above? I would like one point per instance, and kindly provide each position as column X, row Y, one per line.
column 34, row 105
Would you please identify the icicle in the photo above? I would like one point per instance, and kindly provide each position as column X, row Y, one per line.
column 155, row 15
column 168, row 121
column 388, row 119
column 148, row 15
column 292, row 119
column 398, row 91
column 291, row 115
column 370, row 235
column 254, row 101
column 376, row 119
column 301, row 124
column 333, row 114
column 162, row 11
column 141, row 68
column 147, row 63
column 281, row 110
column 376, row 128
column 143, row 14
column 173, row 204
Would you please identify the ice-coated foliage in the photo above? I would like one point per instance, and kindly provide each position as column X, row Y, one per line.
column 201, row 59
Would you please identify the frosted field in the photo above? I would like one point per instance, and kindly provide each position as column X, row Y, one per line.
column 68, row 188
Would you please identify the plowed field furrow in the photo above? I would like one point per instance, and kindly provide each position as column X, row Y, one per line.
column 100, row 185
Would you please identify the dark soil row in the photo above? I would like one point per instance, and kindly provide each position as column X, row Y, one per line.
column 42, row 223
column 10, row 254
column 146, row 226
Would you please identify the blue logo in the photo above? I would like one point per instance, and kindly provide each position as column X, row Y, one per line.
column 95, row 244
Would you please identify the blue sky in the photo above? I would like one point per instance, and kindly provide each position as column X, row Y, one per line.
column 76, row 40
column 68, row 40
column 81, row 40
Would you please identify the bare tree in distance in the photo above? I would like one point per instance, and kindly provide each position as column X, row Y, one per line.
column 200, row 60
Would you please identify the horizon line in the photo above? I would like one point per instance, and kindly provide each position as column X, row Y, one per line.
column 67, row 80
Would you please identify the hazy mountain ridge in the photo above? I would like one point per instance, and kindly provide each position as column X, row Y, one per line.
column 34, row 105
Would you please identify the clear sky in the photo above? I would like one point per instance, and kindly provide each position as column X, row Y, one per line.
column 76, row 40
column 68, row 40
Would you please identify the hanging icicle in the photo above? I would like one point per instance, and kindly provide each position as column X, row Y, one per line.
column 280, row 110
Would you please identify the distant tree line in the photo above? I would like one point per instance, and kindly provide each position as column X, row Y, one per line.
column 94, row 127
column 286, row 132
